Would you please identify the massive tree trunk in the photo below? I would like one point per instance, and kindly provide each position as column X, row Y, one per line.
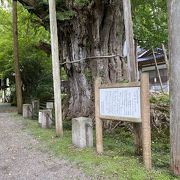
column 97, row 29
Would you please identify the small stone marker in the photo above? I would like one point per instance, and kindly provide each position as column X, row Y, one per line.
column 35, row 108
column 82, row 132
column 49, row 105
column 40, row 118
column 46, row 118
column 27, row 110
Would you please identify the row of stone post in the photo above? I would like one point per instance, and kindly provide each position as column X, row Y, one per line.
column 31, row 110
column 44, row 116
column 82, row 127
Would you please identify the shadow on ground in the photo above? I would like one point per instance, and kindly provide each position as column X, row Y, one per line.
column 6, row 108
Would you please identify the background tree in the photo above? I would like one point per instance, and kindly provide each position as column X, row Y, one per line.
column 150, row 22
column 35, row 64
column 6, row 45
column 16, row 59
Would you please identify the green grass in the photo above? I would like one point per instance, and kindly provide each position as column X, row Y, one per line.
column 118, row 160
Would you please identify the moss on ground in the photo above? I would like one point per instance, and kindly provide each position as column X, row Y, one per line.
column 118, row 160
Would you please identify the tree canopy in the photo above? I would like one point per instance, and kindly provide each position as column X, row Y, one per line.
column 150, row 22
column 149, row 17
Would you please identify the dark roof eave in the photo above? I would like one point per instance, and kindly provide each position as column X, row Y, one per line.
column 150, row 58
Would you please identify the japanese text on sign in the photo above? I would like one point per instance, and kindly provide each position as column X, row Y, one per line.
column 120, row 102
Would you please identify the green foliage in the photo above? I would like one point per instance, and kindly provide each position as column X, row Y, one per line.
column 150, row 22
column 5, row 43
column 63, row 74
column 160, row 99
column 82, row 2
column 149, row 16
column 65, row 10
column 35, row 64
column 118, row 160
column 65, row 15
column 36, row 75
column 88, row 74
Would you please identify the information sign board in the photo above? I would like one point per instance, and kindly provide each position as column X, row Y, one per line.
column 121, row 103
column 124, row 102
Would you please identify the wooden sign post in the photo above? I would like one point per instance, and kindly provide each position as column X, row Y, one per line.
column 99, row 133
column 146, row 125
column 124, row 102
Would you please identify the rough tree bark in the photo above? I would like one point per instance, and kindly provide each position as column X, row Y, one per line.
column 97, row 29
column 174, row 47
column 16, row 59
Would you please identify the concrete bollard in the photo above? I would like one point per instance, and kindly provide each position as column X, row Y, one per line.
column 35, row 108
column 46, row 118
column 49, row 105
column 40, row 118
column 27, row 110
column 82, row 132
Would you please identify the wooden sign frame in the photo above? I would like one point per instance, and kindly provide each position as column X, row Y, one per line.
column 145, row 115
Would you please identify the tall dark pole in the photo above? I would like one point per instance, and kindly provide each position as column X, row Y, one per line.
column 16, row 59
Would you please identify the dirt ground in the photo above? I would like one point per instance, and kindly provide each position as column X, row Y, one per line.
column 23, row 158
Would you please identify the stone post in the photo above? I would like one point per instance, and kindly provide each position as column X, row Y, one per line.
column 46, row 120
column 27, row 110
column 49, row 105
column 82, row 132
column 35, row 108
column 40, row 118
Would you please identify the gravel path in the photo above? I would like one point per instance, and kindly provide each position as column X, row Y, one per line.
column 5, row 108
column 21, row 157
